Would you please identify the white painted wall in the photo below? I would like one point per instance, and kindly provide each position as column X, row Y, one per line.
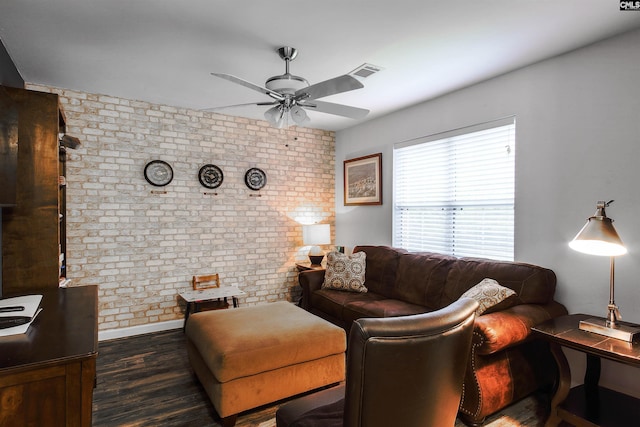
column 578, row 141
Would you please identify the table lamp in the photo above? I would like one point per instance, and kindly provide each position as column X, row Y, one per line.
column 599, row 237
column 314, row 235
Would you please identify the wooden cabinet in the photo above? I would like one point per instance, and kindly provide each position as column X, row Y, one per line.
column 8, row 149
column 47, row 375
column 31, row 229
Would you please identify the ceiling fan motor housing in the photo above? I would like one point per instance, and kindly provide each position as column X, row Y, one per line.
column 286, row 83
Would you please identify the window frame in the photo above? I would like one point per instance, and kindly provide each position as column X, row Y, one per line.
column 500, row 209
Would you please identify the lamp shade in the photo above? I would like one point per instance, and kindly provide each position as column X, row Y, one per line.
column 598, row 236
column 316, row 234
column 283, row 116
column 298, row 114
column 277, row 117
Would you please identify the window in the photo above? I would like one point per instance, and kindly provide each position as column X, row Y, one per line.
column 454, row 192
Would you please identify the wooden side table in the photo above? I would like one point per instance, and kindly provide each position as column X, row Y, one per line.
column 196, row 297
column 304, row 266
column 588, row 404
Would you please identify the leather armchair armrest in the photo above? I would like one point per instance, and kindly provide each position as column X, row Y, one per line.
column 496, row 331
column 310, row 281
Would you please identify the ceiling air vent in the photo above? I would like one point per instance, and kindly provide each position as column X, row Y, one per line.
column 365, row 70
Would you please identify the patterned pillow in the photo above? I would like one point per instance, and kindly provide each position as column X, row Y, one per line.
column 489, row 294
column 345, row 272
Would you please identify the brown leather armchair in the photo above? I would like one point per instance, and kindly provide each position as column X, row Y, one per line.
column 401, row 371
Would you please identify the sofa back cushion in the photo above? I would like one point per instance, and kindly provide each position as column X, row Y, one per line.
column 421, row 278
column 381, row 267
column 532, row 284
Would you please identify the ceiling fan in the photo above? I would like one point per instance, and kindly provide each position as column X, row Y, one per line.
column 293, row 94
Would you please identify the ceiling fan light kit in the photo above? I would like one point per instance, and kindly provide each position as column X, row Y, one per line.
column 282, row 117
column 293, row 94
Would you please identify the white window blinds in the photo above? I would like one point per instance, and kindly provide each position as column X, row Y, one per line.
column 454, row 192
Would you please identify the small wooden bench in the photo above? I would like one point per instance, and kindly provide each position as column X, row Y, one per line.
column 252, row 356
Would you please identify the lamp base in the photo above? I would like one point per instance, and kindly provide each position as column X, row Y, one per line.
column 620, row 331
column 316, row 259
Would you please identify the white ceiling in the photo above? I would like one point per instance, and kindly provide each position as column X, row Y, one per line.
column 163, row 51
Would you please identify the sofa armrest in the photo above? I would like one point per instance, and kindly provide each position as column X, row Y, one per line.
column 310, row 281
column 496, row 331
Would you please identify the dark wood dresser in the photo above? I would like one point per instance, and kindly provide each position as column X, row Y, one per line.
column 47, row 375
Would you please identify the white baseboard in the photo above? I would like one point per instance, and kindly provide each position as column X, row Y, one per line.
column 112, row 334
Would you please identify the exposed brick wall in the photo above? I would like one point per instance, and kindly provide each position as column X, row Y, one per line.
column 142, row 246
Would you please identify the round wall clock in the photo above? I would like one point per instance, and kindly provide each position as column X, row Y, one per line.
column 210, row 176
column 255, row 178
column 158, row 173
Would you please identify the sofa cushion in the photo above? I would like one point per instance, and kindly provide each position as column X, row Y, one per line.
column 333, row 302
column 382, row 263
column 532, row 284
column 345, row 272
column 490, row 296
column 381, row 308
column 421, row 277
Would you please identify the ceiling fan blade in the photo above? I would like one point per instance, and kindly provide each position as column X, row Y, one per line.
column 224, row 107
column 333, row 86
column 250, row 85
column 337, row 109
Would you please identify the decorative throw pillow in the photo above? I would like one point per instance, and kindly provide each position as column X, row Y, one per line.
column 345, row 272
column 489, row 294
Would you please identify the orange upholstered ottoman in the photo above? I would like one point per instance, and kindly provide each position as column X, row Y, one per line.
column 250, row 356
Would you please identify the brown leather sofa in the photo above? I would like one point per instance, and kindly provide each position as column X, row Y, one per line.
column 401, row 371
column 506, row 363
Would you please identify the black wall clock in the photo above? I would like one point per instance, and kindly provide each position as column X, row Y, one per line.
column 210, row 176
column 255, row 178
column 158, row 173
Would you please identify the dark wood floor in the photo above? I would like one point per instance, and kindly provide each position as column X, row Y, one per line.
column 146, row 381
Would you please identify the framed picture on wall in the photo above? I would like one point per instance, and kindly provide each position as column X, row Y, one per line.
column 363, row 180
